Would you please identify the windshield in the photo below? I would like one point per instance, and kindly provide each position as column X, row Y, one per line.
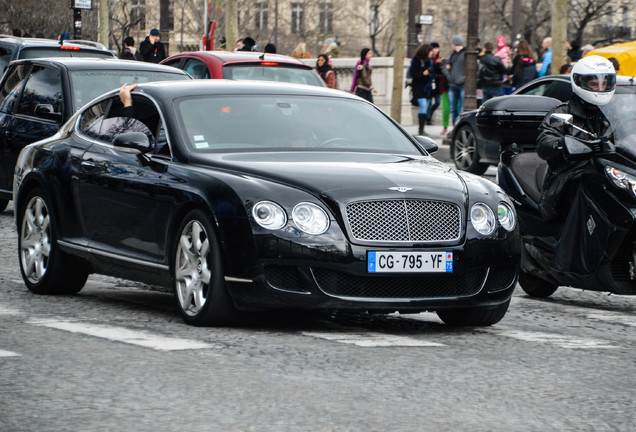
column 86, row 85
column 278, row 73
column 39, row 52
column 282, row 123
column 621, row 113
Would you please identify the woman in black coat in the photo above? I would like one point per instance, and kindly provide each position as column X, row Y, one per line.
column 423, row 84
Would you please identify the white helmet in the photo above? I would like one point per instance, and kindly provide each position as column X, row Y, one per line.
column 594, row 80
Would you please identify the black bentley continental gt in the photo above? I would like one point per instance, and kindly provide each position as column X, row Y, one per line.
column 246, row 196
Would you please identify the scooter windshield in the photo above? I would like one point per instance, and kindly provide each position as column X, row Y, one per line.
column 621, row 113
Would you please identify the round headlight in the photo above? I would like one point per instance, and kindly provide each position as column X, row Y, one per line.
column 506, row 216
column 310, row 218
column 482, row 218
column 269, row 215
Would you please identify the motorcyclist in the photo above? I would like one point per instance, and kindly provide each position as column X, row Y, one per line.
column 593, row 81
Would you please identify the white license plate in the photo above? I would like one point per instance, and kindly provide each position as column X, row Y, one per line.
column 409, row 262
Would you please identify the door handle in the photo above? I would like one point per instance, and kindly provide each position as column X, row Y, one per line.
column 88, row 165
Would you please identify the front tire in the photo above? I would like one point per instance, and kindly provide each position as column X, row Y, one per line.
column 45, row 268
column 199, row 282
column 3, row 204
column 535, row 287
column 474, row 317
column 465, row 152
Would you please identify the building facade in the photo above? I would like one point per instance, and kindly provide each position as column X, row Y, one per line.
column 367, row 23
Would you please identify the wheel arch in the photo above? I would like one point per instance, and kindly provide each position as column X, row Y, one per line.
column 29, row 183
column 231, row 257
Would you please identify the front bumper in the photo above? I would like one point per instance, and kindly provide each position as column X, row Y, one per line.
column 482, row 276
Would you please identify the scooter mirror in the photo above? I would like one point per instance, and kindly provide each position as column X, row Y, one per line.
column 558, row 119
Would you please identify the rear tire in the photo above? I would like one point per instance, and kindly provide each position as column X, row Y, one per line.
column 199, row 281
column 535, row 287
column 474, row 317
column 44, row 267
column 465, row 153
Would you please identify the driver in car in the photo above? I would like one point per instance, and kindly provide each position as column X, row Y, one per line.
column 593, row 81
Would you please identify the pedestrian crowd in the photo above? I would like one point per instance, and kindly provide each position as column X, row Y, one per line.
column 437, row 81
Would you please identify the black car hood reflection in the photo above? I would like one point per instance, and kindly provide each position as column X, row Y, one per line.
column 347, row 177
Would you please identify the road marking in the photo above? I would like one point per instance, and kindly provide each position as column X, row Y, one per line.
column 125, row 335
column 556, row 339
column 370, row 340
column 8, row 310
column 617, row 318
column 8, row 354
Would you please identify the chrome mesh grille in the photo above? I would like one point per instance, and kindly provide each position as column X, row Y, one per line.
column 404, row 220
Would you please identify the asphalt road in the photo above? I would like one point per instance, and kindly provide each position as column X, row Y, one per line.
column 117, row 356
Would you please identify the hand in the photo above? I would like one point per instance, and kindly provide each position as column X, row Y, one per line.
column 374, row 90
column 124, row 94
column 448, row 66
column 426, row 72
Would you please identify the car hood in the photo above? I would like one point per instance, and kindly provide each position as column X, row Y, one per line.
column 347, row 177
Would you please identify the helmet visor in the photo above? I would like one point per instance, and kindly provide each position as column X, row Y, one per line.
column 598, row 83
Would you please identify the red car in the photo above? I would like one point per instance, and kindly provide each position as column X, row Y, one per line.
column 245, row 66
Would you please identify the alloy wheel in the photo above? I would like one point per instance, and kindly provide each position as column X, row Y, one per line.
column 465, row 149
column 192, row 272
column 35, row 240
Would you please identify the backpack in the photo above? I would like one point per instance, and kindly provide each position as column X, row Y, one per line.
column 528, row 71
column 409, row 71
column 335, row 74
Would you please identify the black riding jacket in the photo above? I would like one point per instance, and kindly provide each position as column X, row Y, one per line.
column 551, row 138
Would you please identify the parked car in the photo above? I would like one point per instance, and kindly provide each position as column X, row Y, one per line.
column 37, row 96
column 14, row 48
column 472, row 152
column 254, row 195
column 245, row 66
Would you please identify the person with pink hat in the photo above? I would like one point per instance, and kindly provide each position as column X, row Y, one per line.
column 503, row 51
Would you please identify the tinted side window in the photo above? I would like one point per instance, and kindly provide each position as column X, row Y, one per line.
column 5, row 58
column 42, row 88
column 10, row 90
column 173, row 63
column 561, row 90
column 107, row 119
column 92, row 119
column 538, row 90
column 197, row 69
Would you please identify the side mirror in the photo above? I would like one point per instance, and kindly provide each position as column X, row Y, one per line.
column 133, row 140
column 427, row 143
column 558, row 119
column 46, row 111
column 566, row 119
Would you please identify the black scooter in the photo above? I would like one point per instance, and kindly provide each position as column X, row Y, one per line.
column 594, row 248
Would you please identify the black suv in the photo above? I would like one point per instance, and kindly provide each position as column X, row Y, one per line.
column 37, row 96
column 13, row 48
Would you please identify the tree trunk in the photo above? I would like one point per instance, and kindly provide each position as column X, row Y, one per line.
column 559, row 34
column 399, row 30
column 231, row 24
column 102, row 23
column 470, row 86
